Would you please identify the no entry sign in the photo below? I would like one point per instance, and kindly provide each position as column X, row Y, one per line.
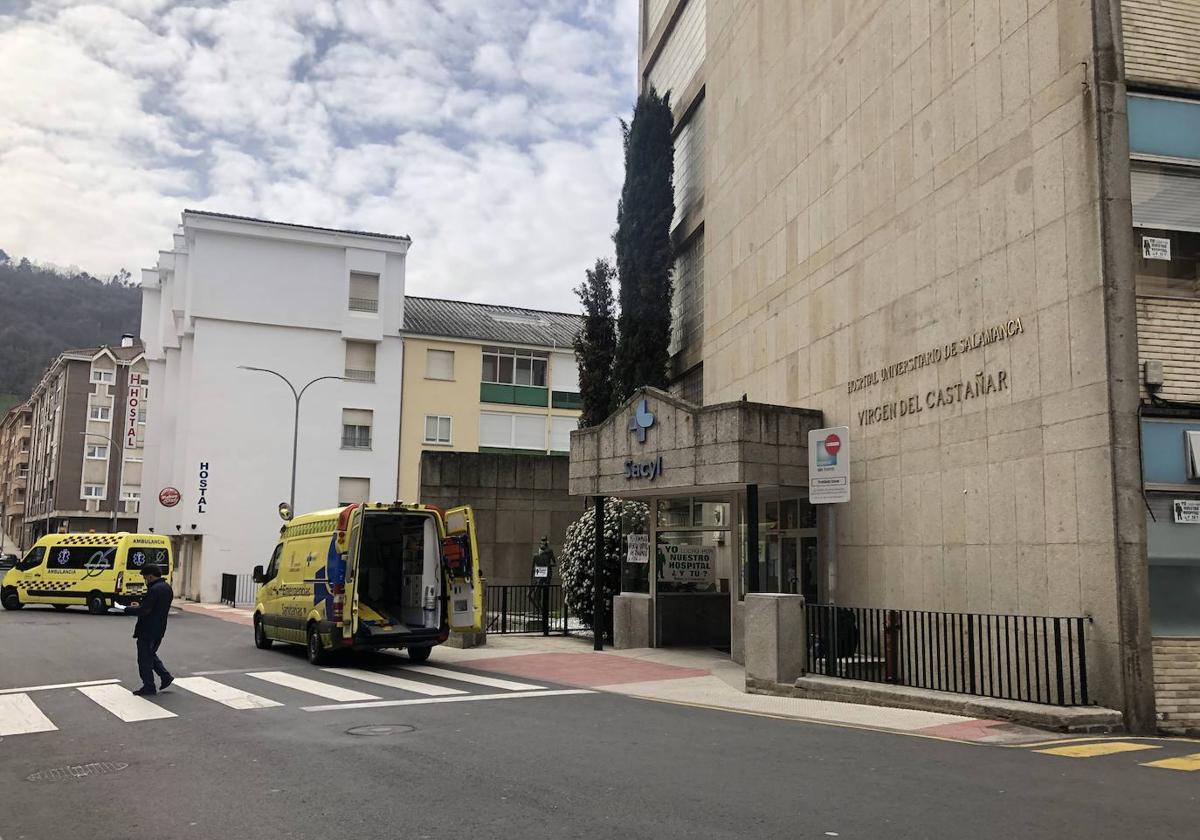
column 829, row 466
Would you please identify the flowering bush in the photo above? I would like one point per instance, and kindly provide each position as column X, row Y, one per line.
column 579, row 549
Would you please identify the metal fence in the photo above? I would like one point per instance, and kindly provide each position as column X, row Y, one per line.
column 237, row 590
column 528, row 609
column 1037, row 659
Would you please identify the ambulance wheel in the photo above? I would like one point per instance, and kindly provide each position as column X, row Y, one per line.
column 419, row 654
column 317, row 655
column 60, row 607
column 261, row 640
column 96, row 604
column 10, row 599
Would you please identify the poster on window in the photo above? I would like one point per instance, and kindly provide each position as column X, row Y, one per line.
column 638, row 548
column 1187, row 511
column 687, row 564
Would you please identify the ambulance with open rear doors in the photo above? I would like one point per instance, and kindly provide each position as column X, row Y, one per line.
column 369, row 576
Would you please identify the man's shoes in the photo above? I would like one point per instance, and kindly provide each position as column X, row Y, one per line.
column 166, row 683
column 145, row 691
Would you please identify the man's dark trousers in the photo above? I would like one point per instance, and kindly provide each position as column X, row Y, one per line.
column 149, row 631
column 148, row 662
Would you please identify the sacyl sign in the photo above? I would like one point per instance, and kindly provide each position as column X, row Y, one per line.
column 651, row 469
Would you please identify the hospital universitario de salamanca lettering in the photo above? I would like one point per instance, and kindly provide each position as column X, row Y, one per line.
column 959, row 347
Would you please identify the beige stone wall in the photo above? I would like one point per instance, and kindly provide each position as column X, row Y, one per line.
column 885, row 178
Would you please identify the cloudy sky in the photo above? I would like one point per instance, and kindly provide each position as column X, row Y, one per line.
column 485, row 129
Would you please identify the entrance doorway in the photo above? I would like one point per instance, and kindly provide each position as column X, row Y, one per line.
column 693, row 540
column 787, row 544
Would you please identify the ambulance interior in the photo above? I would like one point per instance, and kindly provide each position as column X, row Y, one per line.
column 399, row 570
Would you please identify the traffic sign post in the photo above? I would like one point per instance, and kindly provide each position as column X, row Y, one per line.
column 829, row 486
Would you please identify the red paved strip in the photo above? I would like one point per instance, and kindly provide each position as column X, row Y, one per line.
column 584, row 669
column 968, row 730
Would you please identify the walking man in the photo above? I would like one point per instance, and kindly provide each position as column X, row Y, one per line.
column 151, row 626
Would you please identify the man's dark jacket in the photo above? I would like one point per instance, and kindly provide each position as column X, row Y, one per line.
column 153, row 610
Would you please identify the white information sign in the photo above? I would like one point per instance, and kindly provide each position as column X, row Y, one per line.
column 829, row 465
column 1187, row 511
column 1156, row 248
column 688, row 563
column 638, row 548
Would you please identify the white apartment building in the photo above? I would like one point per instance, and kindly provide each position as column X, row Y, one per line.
column 234, row 293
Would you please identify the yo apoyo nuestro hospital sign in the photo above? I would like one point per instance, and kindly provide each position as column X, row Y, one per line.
column 829, row 465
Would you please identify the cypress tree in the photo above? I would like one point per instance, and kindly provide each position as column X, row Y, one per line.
column 644, row 251
column 596, row 344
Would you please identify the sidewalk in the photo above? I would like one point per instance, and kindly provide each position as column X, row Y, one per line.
column 688, row 676
column 709, row 679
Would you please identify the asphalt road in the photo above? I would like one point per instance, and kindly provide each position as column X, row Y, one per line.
column 524, row 766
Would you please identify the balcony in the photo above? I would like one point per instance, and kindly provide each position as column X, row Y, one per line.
column 358, row 375
column 358, row 304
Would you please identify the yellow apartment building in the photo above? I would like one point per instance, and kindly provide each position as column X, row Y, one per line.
column 485, row 378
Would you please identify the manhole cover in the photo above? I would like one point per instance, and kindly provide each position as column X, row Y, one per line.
column 77, row 771
column 384, row 729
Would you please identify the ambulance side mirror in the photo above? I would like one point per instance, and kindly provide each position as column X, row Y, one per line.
column 259, row 576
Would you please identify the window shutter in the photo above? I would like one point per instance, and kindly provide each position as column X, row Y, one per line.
column 439, row 364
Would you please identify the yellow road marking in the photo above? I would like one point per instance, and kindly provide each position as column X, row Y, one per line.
column 1103, row 748
column 1183, row 762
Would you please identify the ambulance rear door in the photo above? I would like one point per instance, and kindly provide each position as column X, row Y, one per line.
column 460, row 559
column 349, row 550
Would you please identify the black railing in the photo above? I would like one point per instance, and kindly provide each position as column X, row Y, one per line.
column 528, row 609
column 1036, row 659
column 237, row 590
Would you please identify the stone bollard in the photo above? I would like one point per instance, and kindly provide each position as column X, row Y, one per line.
column 775, row 643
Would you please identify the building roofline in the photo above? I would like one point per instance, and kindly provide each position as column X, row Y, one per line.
column 495, row 306
column 294, row 225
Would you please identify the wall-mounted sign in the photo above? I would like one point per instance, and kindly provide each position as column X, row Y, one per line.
column 651, row 469
column 132, row 401
column 202, row 500
column 688, row 563
column 641, row 420
column 1187, row 511
column 1156, row 248
column 637, row 548
column 829, row 465
column 169, row 497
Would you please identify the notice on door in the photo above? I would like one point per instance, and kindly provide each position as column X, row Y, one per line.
column 1187, row 511
column 688, row 563
column 638, row 548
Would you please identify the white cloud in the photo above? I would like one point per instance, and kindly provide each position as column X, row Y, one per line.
column 486, row 130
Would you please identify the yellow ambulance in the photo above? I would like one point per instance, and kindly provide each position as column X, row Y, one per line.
column 92, row 570
column 366, row 576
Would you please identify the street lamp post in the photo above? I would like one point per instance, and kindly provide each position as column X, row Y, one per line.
column 120, row 473
column 297, row 395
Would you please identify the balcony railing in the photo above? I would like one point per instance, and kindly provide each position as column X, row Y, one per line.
column 356, row 375
column 358, row 304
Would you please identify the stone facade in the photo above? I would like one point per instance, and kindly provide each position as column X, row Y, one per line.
column 916, row 222
column 517, row 499
column 717, row 446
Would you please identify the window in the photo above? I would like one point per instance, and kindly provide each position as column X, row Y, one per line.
column 360, row 361
column 564, row 373
column 353, row 490
column 141, row 417
column 104, row 377
column 100, row 412
column 512, row 431
column 560, row 433
column 364, row 292
column 1192, row 443
column 131, row 501
column 356, row 428
column 514, row 367
column 97, row 451
column 23, row 473
column 93, row 491
column 437, row 429
column 439, row 364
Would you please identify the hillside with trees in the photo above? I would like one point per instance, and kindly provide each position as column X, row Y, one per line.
column 45, row 310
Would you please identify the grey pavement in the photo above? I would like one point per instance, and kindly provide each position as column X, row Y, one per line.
column 508, row 763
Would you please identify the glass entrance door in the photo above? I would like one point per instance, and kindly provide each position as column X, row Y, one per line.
column 787, row 544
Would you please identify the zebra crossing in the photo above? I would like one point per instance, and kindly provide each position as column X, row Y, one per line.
column 254, row 690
